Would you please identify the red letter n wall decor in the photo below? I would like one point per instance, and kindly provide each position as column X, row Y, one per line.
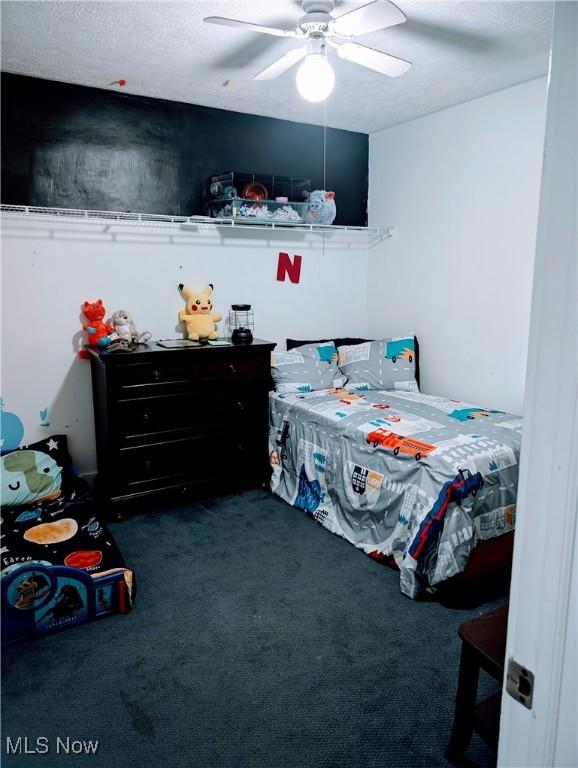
column 288, row 268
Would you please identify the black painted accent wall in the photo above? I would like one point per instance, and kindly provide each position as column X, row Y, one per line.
column 74, row 147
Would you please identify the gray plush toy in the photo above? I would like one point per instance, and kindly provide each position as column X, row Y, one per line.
column 321, row 208
column 126, row 329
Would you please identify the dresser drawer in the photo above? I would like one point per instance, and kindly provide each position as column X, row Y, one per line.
column 139, row 419
column 231, row 370
column 142, row 379
column 201, row 457
column 142, row 375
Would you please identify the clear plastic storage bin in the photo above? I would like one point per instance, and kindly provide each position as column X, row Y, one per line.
column 258, row 210
column 252, row 197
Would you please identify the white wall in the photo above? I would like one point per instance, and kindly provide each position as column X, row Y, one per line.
column 48, row 269
column 461, row 187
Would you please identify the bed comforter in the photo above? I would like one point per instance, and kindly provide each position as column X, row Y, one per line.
column 420, row 478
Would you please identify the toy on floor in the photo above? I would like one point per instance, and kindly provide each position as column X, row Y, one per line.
column 125, row 328
column 100, row 334
column 29, row 477
column 321, row 209
column 198, row 315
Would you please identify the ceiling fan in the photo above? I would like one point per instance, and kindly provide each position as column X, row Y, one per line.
column 318, row 28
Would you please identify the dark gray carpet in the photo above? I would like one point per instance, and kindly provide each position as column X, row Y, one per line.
column 258, row 639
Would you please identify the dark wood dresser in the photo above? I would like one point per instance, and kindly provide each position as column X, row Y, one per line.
column 172, row 423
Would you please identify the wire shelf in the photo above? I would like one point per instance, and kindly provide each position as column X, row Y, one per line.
column 32, row 212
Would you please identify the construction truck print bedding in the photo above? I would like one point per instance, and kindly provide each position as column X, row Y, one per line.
column 418, row 478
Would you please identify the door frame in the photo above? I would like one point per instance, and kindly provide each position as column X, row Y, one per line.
column 540, row 635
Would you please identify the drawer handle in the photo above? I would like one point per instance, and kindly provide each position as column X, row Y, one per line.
column 146, row 418
column 156, row 375
column 232, row 368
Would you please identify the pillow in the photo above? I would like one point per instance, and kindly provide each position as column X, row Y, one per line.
column 36, row 473
column 385, row 364
column 306, row 368
column 291, row 343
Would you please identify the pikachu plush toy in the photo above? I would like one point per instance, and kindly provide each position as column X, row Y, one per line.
column 198, row 315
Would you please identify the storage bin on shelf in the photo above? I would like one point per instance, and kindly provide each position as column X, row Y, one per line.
column 251, row 197
column 258, row 211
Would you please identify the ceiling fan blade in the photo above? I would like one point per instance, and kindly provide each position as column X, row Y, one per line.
column 372, row 59
column 282, row 64
column 250, row 27
column 369, row 18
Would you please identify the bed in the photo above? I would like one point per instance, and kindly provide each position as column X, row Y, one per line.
column 404, row 476
column 60, row 564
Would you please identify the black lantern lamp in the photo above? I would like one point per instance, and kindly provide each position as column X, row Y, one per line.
column 241, row 323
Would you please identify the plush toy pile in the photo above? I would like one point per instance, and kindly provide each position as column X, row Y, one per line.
column 119, row 334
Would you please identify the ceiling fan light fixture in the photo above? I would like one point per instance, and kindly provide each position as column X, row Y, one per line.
column 319, row 28
column 315, row 78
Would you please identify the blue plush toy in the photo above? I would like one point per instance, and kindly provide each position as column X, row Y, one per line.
column 321, row 209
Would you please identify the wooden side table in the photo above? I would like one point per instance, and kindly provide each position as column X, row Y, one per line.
column 483, row 647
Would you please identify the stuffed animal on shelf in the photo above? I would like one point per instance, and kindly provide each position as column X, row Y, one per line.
column 100, row 334
column 198, row 315
column 321, row 208
column 125, row 328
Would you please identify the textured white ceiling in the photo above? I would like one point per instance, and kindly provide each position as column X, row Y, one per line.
column 460, row 50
